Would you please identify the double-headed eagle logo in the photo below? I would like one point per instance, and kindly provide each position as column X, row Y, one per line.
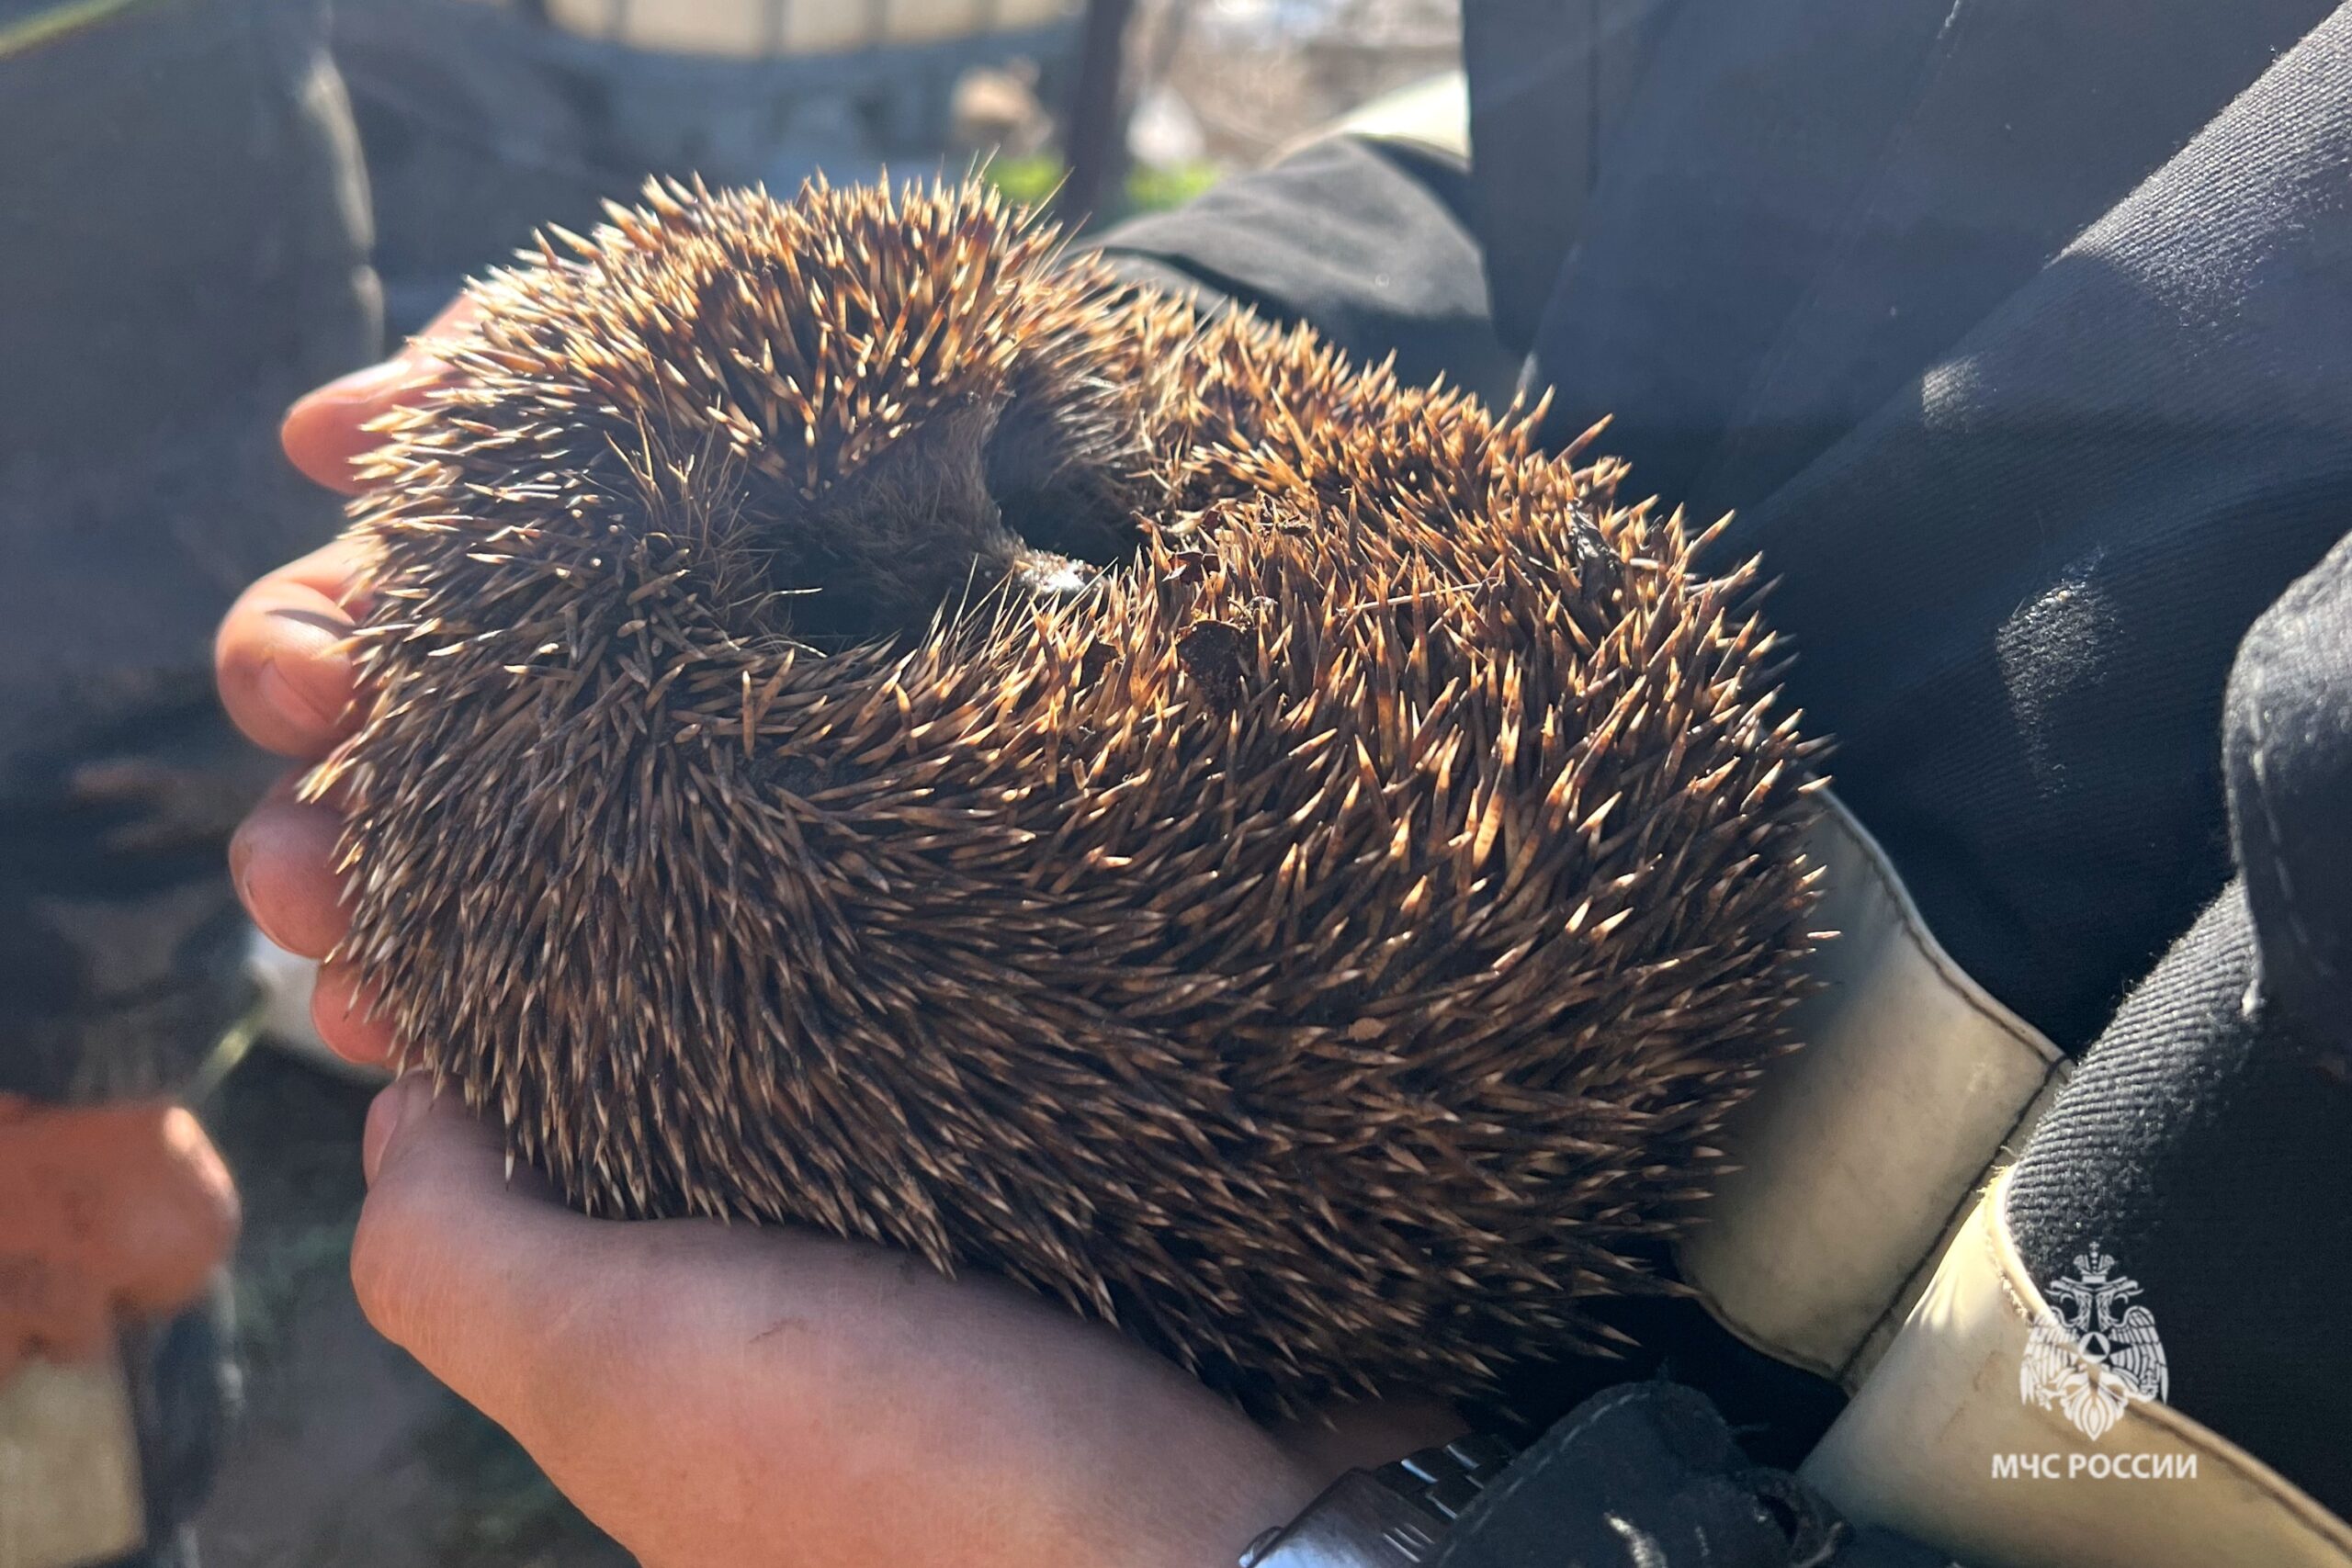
column 2091, row 1355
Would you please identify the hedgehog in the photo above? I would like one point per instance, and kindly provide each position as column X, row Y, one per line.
column 875, row 723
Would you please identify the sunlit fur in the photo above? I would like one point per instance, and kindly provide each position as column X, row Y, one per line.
column 1322, row 934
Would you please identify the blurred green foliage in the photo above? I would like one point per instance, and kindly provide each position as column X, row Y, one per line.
column 1149, row 188
column 1029, row 180
column 1158, row 187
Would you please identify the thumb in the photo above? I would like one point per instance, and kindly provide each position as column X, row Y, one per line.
column 453, row 1262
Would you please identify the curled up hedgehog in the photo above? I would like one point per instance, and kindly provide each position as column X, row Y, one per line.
column 874, row 724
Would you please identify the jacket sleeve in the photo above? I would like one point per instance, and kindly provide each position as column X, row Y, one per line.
column 1367, row 240
column 215, row 267
column 2202, row 1142
column 2019, row 582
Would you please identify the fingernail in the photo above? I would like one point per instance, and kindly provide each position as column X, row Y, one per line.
column 416, row 361
column 241, row 855
column 307, row 679
column 343, row 1012
column 369, row 381
column 398, row 1104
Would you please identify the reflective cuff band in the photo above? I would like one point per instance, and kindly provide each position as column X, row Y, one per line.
column 1945, row 1445
column 1860, row 1155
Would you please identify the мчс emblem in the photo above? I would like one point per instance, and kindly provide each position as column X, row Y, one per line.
column 2091, row 1354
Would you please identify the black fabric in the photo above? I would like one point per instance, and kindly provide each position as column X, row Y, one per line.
column 2016, row 587
column 184, row 1392
column 2203, row 1148
column 2203, row 1144
column 1807, row 202
column 1367, row 240
column 2289, row 752
column 1646, row 1475
column 2018, row 352
column 183, row 235
column 1551, row 83
column 1779, row 1411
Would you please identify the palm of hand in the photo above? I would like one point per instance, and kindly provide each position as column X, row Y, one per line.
column 715, row 1395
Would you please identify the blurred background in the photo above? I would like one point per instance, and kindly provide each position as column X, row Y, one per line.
column 476, row 121
column 481, row 119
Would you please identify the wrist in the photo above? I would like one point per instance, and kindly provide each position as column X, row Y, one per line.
column 1276, row 1486
column 1198, row 1506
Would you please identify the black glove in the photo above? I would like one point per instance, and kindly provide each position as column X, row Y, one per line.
column 184, row 1393
column 2287, row 750
column 2202, row 1144
column 1646, row 1475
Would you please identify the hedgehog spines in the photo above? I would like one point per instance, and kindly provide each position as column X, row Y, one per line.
column 877, row 724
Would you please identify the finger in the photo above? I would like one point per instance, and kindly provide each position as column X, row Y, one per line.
column 282, row 658
column 325, row 430
column 452, row 1262
column 338, row 569
column 344, row 1013
column 283, row 861
column 527, row 1310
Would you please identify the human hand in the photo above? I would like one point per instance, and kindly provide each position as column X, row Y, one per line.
column 725, row 1395
column 713, row 1395
column 107, row 1212
column 284, row 669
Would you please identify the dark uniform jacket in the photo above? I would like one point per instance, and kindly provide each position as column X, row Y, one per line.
column 2018, row 337
column 183, row 251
